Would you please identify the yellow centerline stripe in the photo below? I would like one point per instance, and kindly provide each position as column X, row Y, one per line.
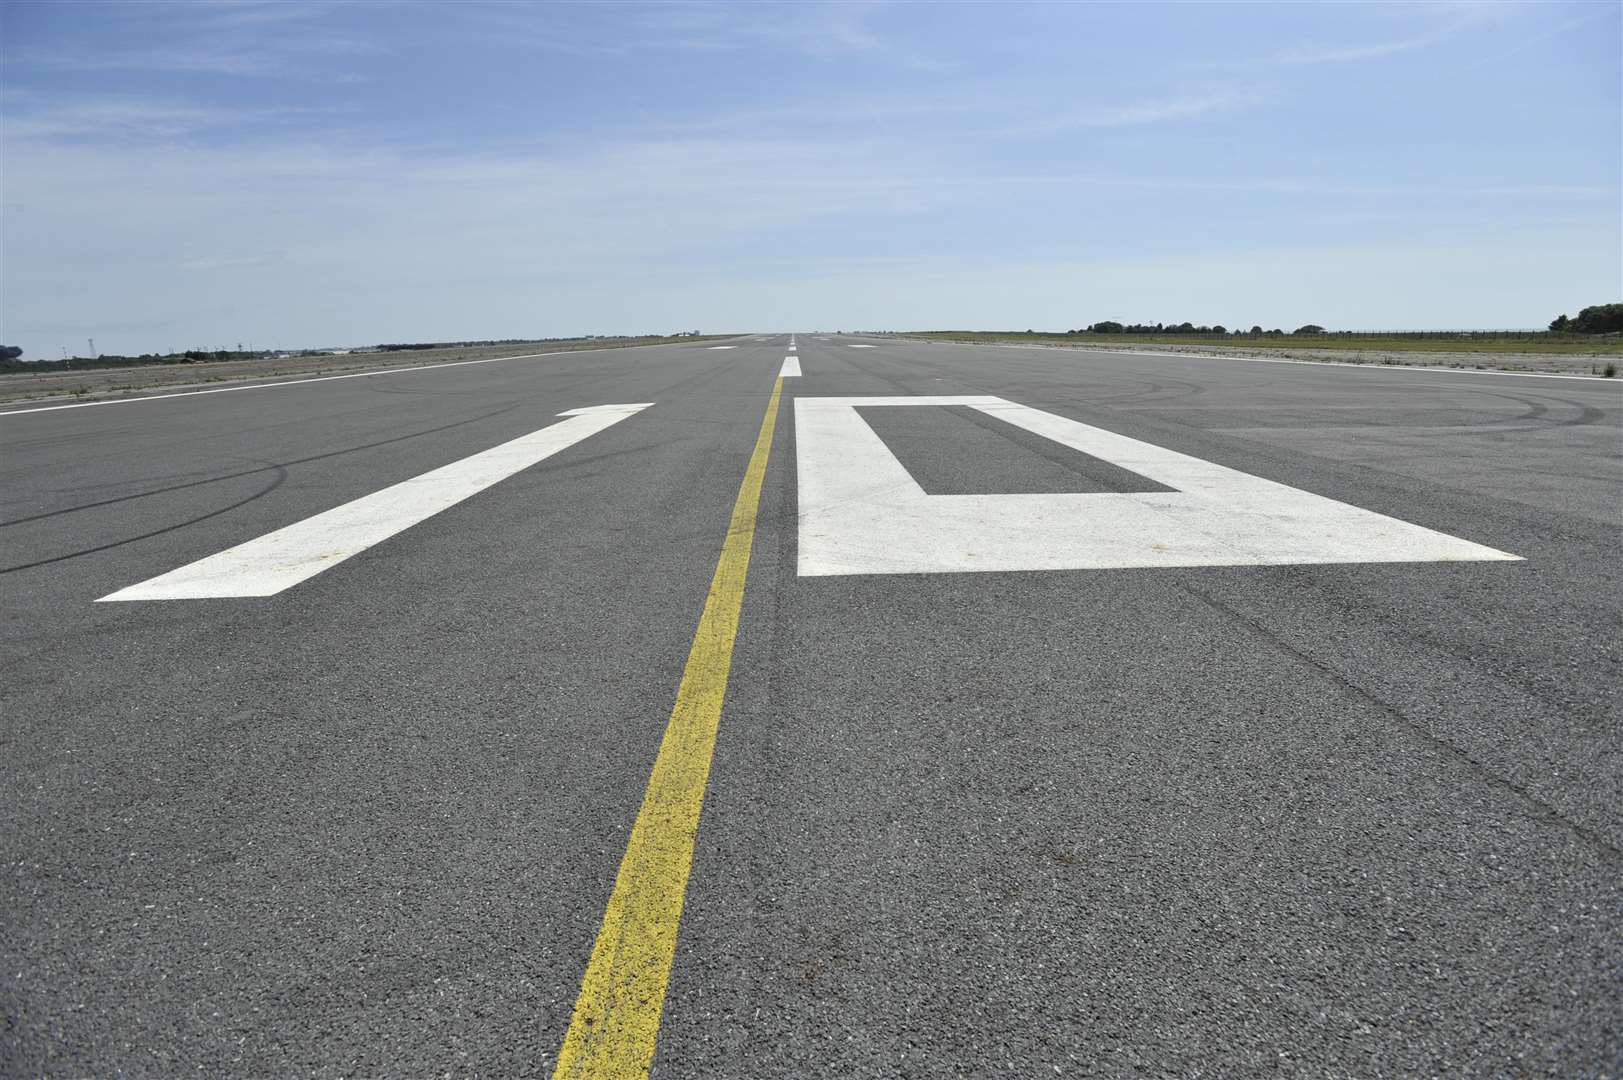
column 616, row 1021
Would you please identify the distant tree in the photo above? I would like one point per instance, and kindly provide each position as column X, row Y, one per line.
column 1599, row 319
column 1219, row 329
column 1276, row 332
column 1559, row 323
column 1256, row 331
column 10, row 352
column 1106, row 327
column 1310, row 328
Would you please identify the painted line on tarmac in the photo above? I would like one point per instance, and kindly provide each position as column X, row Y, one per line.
column 864, row 346
column 861, row 512
column 278, row 560
column 1434, row 368
column 791, row 367
column 718, row 348
column 321, row 378
column 616, row 1019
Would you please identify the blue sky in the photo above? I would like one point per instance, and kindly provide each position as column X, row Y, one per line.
column 306, row 174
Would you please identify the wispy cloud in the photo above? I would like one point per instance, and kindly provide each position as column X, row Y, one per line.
column 622, row 29
column 227, row 13
column 1439, row 23
column 214, row 38
column 1603, row 11
column 125, row 118
column 310, row 57
column 1159, row 110
column 1341, row 54
column 989, row 112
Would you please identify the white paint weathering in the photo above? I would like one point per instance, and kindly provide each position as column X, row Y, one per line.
column 862, row 513
column 277, row 560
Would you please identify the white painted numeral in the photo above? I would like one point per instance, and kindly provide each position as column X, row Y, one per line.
column 862, row 513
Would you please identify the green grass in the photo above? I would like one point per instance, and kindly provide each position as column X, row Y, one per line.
column 1429, row 341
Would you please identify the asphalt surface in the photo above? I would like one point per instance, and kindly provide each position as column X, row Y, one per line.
column 1356, row 820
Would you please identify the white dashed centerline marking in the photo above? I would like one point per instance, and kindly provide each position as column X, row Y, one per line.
column 277, row 560
column 865, row 346
column 718, row 348
column 791, row 366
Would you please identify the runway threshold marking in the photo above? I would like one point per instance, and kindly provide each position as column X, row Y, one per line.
column 861, row 512
column 277, row 560
column 791, row 367
column 616, row 1020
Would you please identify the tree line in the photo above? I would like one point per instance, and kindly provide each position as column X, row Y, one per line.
column 1595, row 319
column 1110, row 326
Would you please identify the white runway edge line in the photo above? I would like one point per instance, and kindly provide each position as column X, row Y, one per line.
column 370, row 373
column 864, row 346
column 1432, row 368
column 861, row 512
column 277, row 560
column 791, row 366
column 718, row 348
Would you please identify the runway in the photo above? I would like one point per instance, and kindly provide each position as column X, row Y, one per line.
column 1078, row 714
